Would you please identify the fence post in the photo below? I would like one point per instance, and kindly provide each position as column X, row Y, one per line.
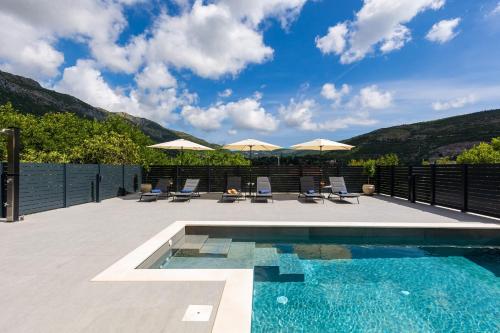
column 123, row 191
column 433, row 184
column 410, row 183
column 465, row 188
column 176, row 178
column 377, row 179
column 98, row 184
column 65, row 185
column 209, row 179
column 392, row 180
column 2, row 189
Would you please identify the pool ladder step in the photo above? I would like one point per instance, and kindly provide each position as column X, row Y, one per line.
column 190, row 245
column 216, row 247
column 266, row 257
column 290, row 268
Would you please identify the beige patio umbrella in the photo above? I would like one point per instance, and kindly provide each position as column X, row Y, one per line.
column 180, row 144
column 251, row 145
column 322, row 145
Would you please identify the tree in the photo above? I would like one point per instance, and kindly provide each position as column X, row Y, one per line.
column 482, row 153
column 109, row 148
column 388, row 160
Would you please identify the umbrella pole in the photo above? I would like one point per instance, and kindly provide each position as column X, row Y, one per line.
column 251, row 163
column 321, row 162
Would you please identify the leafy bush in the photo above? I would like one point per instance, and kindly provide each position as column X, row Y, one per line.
column 482, row 153
column 66, row 138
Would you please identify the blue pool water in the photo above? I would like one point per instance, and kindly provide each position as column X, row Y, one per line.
column 382, row 289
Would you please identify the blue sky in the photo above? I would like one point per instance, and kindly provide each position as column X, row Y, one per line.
column 284, row 71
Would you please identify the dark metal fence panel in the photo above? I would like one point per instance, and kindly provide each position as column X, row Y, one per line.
column 354, row 178
column 484, row 189
column 132, row 178
column 81, row 183
column 41, row 187
column 154, row 173
column 449, row 189
column 285, row 178
column 111, row 182
column 422, row 183
column 384, row 180
column 401, row 181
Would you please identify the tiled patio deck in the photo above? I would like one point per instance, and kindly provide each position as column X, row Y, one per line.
column 48, row 260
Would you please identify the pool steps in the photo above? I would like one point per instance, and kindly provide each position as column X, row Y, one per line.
column 200, row 251
column 216, row 246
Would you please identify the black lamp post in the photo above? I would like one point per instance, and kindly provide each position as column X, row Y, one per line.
column 12, row 203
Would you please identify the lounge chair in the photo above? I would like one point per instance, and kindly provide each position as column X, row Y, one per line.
column 189, row 190
column 161, row 190
column 263, row 190
column 307, row 190
column 339, row 189
column 233, row 185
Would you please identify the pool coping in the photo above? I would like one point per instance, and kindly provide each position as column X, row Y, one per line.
column 234, row 312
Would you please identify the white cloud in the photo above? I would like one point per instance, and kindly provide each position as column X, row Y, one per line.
column 396, row 39
column 225, row 93
column 205, row 119
column 372, row 97
column 334, row 41
column 330, row 92
column 25, row 50
column 379, row 23
column 300, row 115
column 496, row 10
column 217, row 38
column 246, row 113
column 255, row 11
column 443, row 31
column 85, row 81
column 34, row 28
column 155, row 76
column 456, row 103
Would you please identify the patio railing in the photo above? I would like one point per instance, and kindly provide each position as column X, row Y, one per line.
column 469, row 188
column 46, row 186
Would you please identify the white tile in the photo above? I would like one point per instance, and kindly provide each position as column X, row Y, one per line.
column 198, row 313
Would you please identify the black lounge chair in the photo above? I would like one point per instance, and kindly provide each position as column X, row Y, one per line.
column 233, row 183
column 307, row 190
column 263, row 190
column 161, row 190
column 190, row 190
column 339, row 189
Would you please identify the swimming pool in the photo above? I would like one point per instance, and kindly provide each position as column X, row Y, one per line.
column 308, row 286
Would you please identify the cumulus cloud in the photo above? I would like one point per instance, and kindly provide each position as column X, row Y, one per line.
column 334, row 41
column 330, row 92
column 246, row 113
column 33, row 31
column 154, row 76
column 443, row 31
column 225, row 93
column 496, row 10
column 379, row 24
column 300, row 115
column 255, row 11
column 456, row 103
column 85, row 81
column 372, row 97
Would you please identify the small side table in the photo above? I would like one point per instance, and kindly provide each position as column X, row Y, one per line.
column 328, row 187
column 250, row 185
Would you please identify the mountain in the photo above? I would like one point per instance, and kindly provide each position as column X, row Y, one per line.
column 27, row 96
column 430, row 139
